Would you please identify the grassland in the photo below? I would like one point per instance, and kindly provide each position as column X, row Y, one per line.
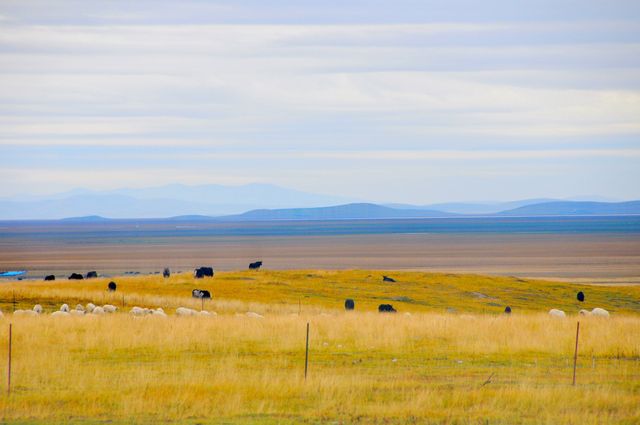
column 454, row 360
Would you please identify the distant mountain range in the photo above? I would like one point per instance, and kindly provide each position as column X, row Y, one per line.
column 162, row 201
column 255, row 202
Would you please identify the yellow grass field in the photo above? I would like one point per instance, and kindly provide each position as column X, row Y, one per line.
column 455, row 359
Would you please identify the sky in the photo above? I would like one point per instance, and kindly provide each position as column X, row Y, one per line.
column 395, row 101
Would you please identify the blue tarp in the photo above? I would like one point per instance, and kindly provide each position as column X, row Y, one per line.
column 12, row 273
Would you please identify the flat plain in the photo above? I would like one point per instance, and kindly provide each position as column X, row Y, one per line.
column 599, row 249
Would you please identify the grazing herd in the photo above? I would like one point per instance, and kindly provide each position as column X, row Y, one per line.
column 203, row 294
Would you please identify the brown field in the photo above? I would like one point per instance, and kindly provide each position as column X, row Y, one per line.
column 599, row 258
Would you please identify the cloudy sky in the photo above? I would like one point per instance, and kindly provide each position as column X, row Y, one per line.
column 398, row 101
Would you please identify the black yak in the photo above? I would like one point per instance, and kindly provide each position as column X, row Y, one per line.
column 507, row 310
column 386, row 308
column 166, row 272
column 92, row 274
column 201, row 293
column 580, row 296
column 388, row 279
column 203, row 272
column 76, row 276
column 255, row 266
column 50, row 277
column 112, row 286
column 349, row 304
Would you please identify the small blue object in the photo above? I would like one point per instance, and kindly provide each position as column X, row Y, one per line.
column 13, row 273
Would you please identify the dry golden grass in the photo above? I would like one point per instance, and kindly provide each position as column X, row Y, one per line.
column 427, row 367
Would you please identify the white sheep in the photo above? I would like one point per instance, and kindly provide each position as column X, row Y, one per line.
column 600, row 312
column 108, row 308
column 37, row 308
column 65, row 308
column 206, row 313
column 158, row 312
column 556, row 313
column 254, row 315
column 60, row 314
column 80, row 307
column 98, row 310
column 90, row 307
column 585, row 313
column 76, row 313
column 184, row 311
column 137, row 311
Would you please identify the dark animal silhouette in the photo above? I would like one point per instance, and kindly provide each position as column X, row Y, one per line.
column 166, row 272
column 507, row 310
column 255, row 266
column 386, row 308
column 349, row 304
column 50, row 277
column 580, row 296
column 201, row 293
column 91, row 275
column 76, row 276
column 112, row 286
column 201, row 272
column 388, row 279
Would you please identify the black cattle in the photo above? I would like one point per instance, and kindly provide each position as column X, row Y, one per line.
column 76, row 276
column 166, row 272
column 112, row 286
column 91, row 275
column 201, row 293
column 50, row 277
column 201, row 272
column 507, row 310
column 349, row 304
column 580, row 296
column 255, row 266
column 388, row 279
column 386, row 308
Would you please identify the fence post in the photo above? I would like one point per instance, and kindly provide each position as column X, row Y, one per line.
column 9, row 368
column 306, row 355
column 575, row 355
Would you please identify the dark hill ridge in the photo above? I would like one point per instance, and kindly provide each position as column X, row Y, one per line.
column 338, row 212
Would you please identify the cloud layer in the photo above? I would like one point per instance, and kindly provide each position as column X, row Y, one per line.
column 403, row 104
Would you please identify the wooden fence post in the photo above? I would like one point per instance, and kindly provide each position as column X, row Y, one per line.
column 575, row 355
column 306, row 355
column 9, row 368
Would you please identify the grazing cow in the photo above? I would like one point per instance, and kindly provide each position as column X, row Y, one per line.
column 201, row 293
column 112, row 286
column 507, row 310
column 201, row 272
column 50, row 277
column 386, row 308
column 91, row 275
column 580, row 296
column 349, row 304
column 388, row 279
column 255, row 266
column 166, row 272
column 76, row 276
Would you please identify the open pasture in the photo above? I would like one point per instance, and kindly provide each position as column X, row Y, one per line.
column 468, row 364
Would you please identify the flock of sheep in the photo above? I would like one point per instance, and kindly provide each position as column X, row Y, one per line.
column 93, row 310
column 599, row 312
